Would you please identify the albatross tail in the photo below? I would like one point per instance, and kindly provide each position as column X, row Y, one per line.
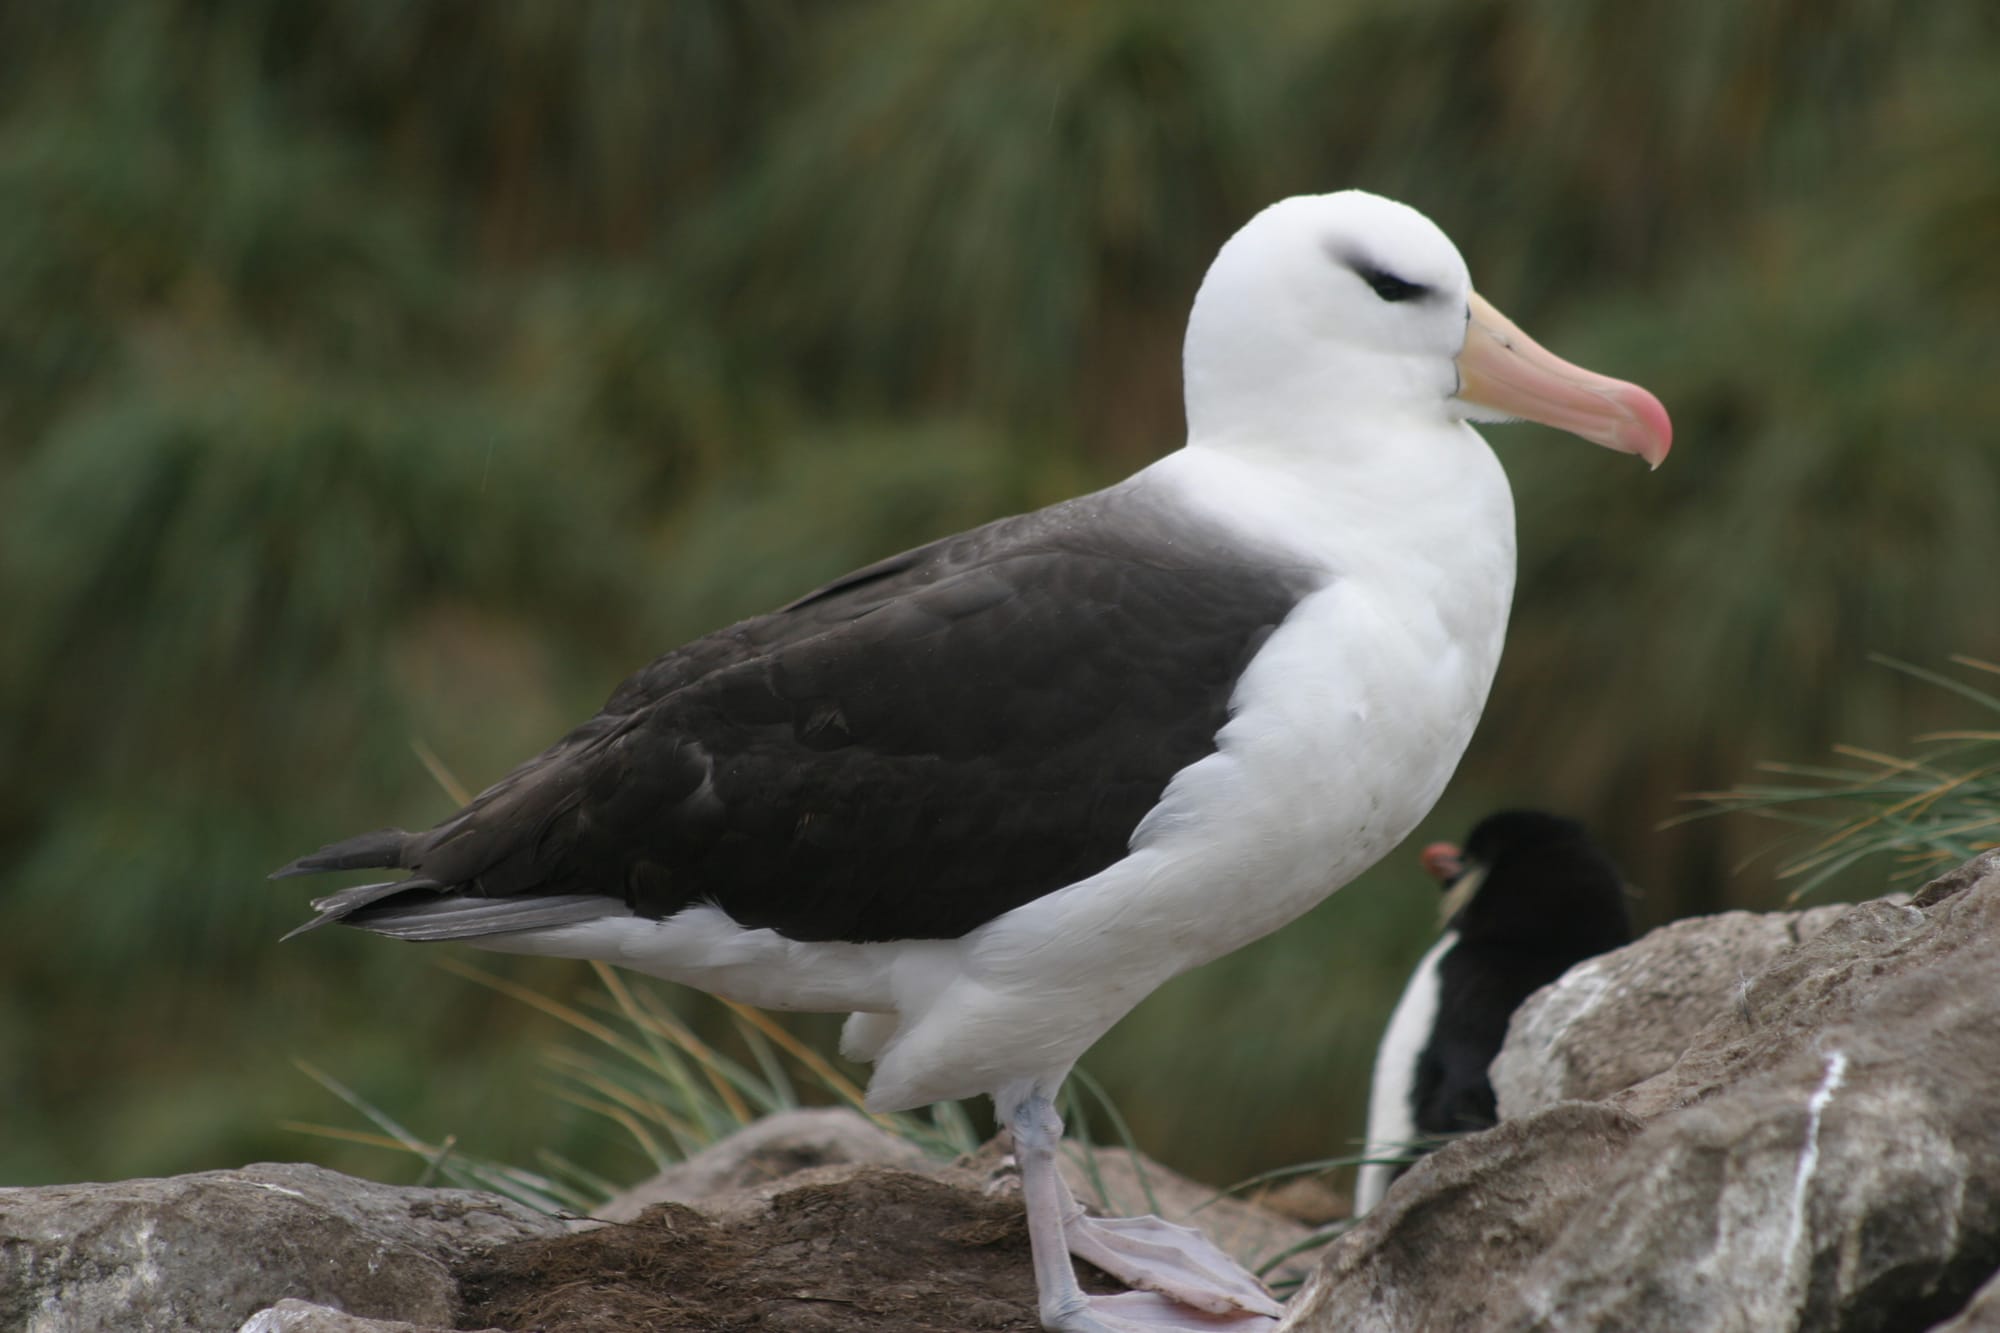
column 419, row 908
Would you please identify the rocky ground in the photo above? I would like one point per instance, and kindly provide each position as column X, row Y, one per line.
column 1743, row 1122
column 1822, row 1153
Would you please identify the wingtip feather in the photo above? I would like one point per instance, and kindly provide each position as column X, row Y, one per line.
column 344, row 904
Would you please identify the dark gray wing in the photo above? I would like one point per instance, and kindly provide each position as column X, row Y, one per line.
column 909, row 752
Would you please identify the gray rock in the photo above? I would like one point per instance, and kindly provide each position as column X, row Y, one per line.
column 1825, row 1155
column 769, row 1149
column 204, row 1252
column 1788, row 1206
column 1443, row 1247
column 735, row 1180
column 1855, row 969
column 1981, row 1316
column 832, row 1249
column 1306, row 1199
column 289, row 1316
column 1622, row 1017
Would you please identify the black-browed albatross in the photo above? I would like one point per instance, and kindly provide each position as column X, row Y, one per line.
column 988, row 794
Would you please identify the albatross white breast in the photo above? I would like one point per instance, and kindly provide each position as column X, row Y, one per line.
column 989, row 793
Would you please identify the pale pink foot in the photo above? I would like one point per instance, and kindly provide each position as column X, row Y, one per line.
column 1186, row 1281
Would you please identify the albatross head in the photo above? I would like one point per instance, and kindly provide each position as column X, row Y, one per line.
column 1354, row 309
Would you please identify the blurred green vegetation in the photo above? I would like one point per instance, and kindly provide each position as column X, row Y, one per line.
column 377, row 374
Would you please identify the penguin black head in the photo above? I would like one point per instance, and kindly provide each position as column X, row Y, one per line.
column 1534, row 881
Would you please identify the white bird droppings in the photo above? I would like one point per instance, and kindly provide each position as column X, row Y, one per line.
column 1836, row 1071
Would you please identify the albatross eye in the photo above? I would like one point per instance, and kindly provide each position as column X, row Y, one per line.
column 1390, row 287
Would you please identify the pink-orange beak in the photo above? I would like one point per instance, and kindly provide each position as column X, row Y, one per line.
column 1503, row 369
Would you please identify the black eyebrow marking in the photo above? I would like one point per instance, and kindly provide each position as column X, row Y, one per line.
column 1384, row 283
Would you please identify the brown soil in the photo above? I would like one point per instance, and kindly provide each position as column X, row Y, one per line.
column 884, row 1251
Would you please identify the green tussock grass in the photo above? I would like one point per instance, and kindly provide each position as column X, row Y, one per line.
column 1925, row 811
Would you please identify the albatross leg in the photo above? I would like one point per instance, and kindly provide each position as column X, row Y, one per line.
column 1186, row 1283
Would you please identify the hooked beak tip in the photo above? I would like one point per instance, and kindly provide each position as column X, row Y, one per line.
column 1502, row 369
